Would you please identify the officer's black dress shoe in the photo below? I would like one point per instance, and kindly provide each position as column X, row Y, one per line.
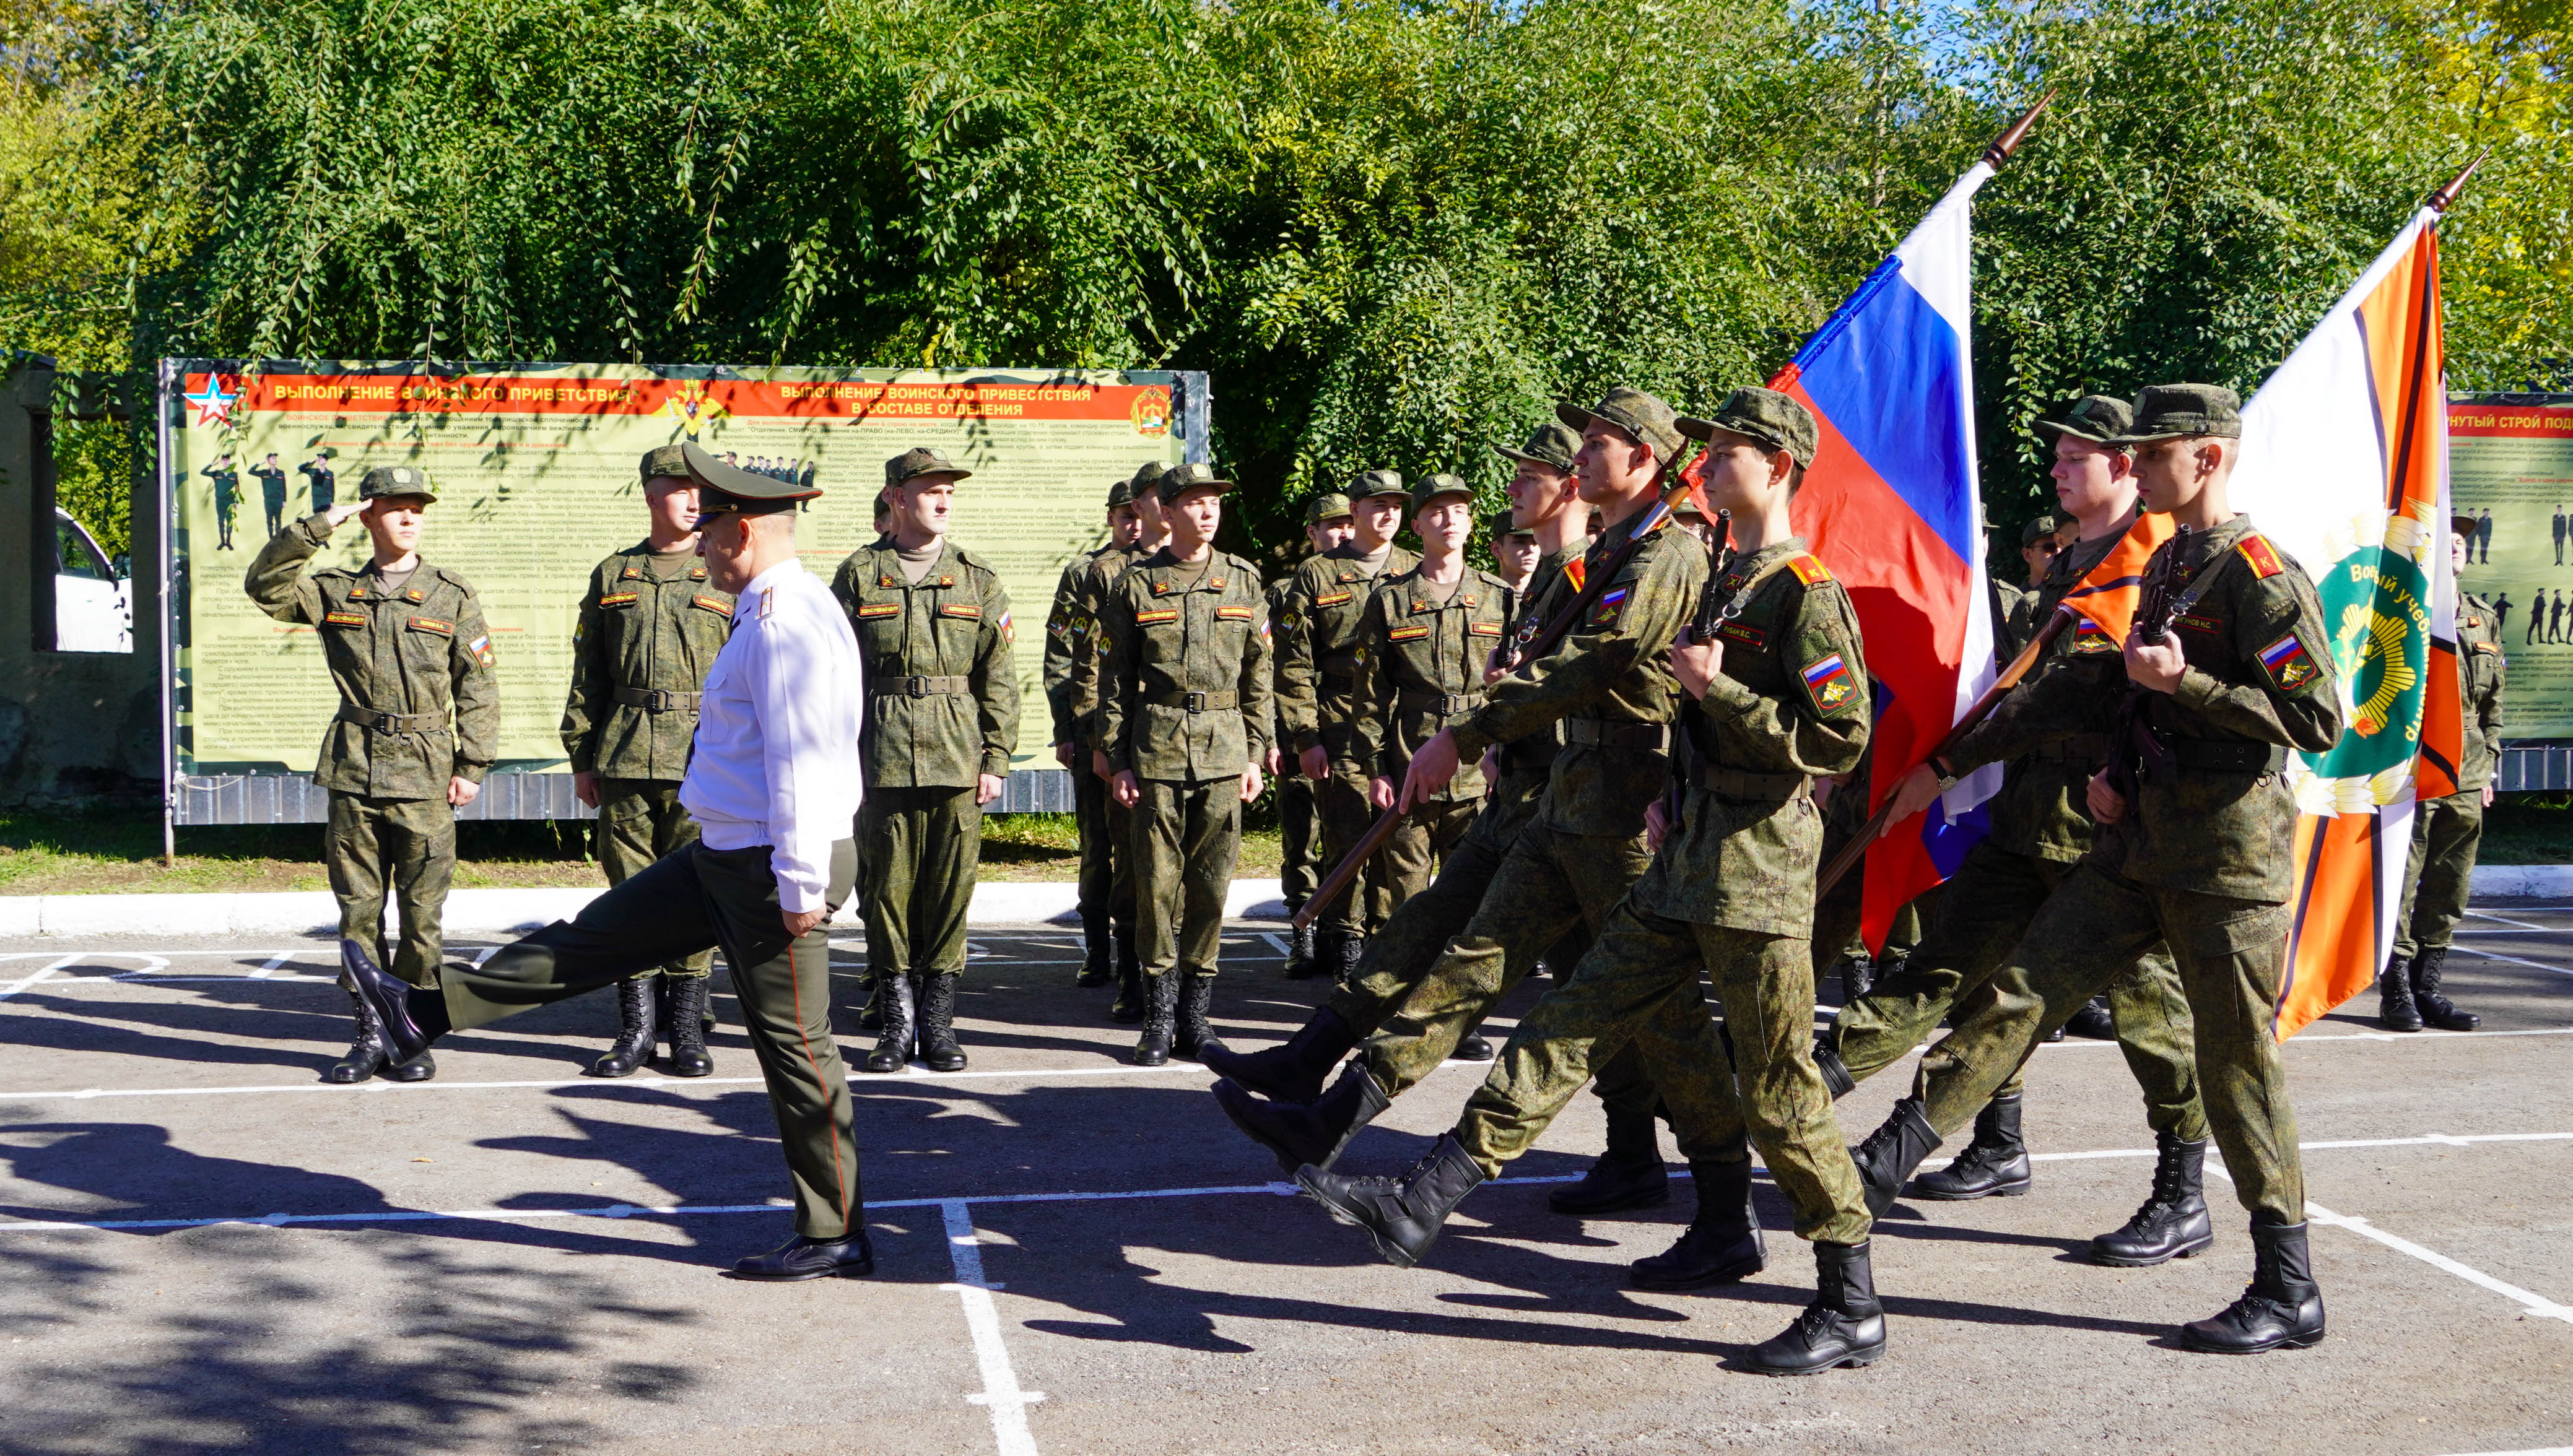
column 405, row 1039
column 810, row 1258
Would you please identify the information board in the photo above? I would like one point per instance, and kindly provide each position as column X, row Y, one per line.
column 535, row 471
column 2510, row 465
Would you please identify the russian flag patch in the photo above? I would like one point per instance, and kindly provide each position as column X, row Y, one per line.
column 2291, row 665
column 1829, row 683
column 1610, row 602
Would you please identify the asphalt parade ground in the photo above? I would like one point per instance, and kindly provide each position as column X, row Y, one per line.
column 207, row 1249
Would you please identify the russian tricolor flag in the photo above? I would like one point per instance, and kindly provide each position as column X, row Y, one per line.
column 1890, row 504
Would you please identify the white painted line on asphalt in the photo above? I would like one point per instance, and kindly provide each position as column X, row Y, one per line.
column 2514, row 960
column 2534, row 1304
column 269, row 969
column 14, row 987
column 2427, row 1140
column 1001, row 1393
column 2506, row 920
column 1277, row 944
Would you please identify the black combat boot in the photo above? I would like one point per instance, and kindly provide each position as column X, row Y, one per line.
column 1302, row 962
column 1346, row 970
column 1326, row 953
column 1402, row 1214
column 1302, row 1135
column 1129, row 1006
column 1845, row 1325
column 892, row 1004
column 1628, row 1175
column 2425, row 992
column 1098, row 953
column 937, row 1006
column 2173, row 1224
column 2281, row 1307
column 685, row 999
column 366, row 1050
column 635, row 1030
column 1836, row 1072
column 1291, row 1073
column 1161, row 1019
column 1721, row 1245
column 1192, row 1034
column 1993, row 1165
column 1890, row 1153
column 871, row 1015
column 2093, row 1020
column 1858, row 977
column 2395, row 1008
column 1473, row 1048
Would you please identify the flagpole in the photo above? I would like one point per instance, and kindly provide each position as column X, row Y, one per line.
column 2446, row 196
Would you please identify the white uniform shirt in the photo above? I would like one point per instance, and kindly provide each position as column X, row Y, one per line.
column 776, row 757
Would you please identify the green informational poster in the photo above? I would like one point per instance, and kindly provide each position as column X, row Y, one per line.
column 535, row 471
column 2510, row 466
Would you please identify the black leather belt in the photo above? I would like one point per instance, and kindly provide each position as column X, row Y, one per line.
column 1196, row 702
column 656, row 700
column 2221, row 756
column 1443, row 704
column 1733, row 783
column 1653, row 736
column 922, row 687
column 392, row 722
column 2092, row 748
column 1532, row 754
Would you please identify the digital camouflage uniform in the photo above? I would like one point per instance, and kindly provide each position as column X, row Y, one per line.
column 1086, row 688
column 639, row 657
column 1071, row 702
column 2447, row 831
column 1421, row 669
column 1299, row 817
column 419, row 704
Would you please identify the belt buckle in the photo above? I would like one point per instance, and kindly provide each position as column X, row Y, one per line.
column 381, row 722
column 1194, row 702
column 915, row 687
column 1450, row 704
column 657, row 700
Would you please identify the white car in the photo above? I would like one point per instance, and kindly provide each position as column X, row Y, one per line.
column 93, row 600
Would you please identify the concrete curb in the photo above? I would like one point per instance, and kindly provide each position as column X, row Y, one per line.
column 314, row 912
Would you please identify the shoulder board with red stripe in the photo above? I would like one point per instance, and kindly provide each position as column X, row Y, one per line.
column 617, row 598
column 961, row 609
column 714, row 604
column 1156, row 616
column 2264, row 560
column 1234, row 613
column 1575, row 569
column 1809, row 569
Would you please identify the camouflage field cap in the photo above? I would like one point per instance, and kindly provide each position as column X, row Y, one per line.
column 1147, row 477
column 1503, row 529
column 2095, row 417
column 1550, row 446
column 1179, row 481
column 1764, row 415
column 730, row 490
column 1437, row 487
column 384, row 481
column 2185, row 412
column 1330, row 505
column 1371, row 484
column 2038, row 530
column 662, row 460
column 1640, row 414
column 917, row 462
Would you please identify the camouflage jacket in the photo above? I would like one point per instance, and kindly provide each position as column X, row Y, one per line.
column 1317, row 667
column 1083, row 688
column 2480, row 668
column 640, row 635
column 1420, row 668
column 1187, row 686
column 2259, row 672
column 1789, row 704
column 942, row 693
column 1608, row 685
column 418, row 702
column 1068, row 647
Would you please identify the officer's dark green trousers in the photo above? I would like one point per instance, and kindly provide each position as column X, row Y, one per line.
column 2445, row 834
column 1106, row 887
column 1299, row 841
column 687, row 902
column 922, row 848
column 1550, row 883
column 408, row 844
column 2091, row 931
column 1991, row 902
column 1187, row 836
column 639, row 820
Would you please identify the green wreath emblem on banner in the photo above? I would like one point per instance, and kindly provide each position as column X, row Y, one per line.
column 2373, row 606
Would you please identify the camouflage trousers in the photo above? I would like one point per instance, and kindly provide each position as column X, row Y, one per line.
column 1107, row 888
column 1341, row 799
column 679, row 906
column 920, row 849
column 639, row 820
column 1550, row 883
column 1835, row 916
column 407, row 846
column 2093, row 930
column 1187, row 836
column 1415, row 851
column 1121, row 860
column 2445, row 834
column 1992, row 900
column 1637, row 994
column 1299, row 841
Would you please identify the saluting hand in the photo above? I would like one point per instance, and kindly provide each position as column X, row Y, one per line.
column 341, row 511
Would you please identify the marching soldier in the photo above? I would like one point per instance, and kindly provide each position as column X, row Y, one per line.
column 1299, row 818
column 933, row 626
column 2447, row 831
column 2192, row 851
column 418, row 728
column 1068, row 640
column 1424, row 642
column 1183, row 719
column 650, row 627
column 227, row 498
column 1317, row 673
column 271, row 492
column 1088, row 689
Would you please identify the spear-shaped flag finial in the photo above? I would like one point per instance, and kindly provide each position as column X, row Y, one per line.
column 2441, row 200
column 2008, row 142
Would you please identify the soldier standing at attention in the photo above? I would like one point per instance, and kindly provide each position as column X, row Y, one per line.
column 1089, row 689
column 2193, row 852
column 1318, row 675
column 2447, row 831
column 1183, row 718
column 1299, row 818
column 1068, row 634
column 227, row 498
column 933, row 626
column 419, row 726
column 650, row 627
column 1775, row 698
column 1422, row 647
column 325, row 484
column 272, row 490
column 1515, row 554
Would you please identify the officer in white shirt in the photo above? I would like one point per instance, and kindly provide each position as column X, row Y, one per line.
column 775, row 784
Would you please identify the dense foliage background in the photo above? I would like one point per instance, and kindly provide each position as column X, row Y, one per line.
column 1394, row 234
